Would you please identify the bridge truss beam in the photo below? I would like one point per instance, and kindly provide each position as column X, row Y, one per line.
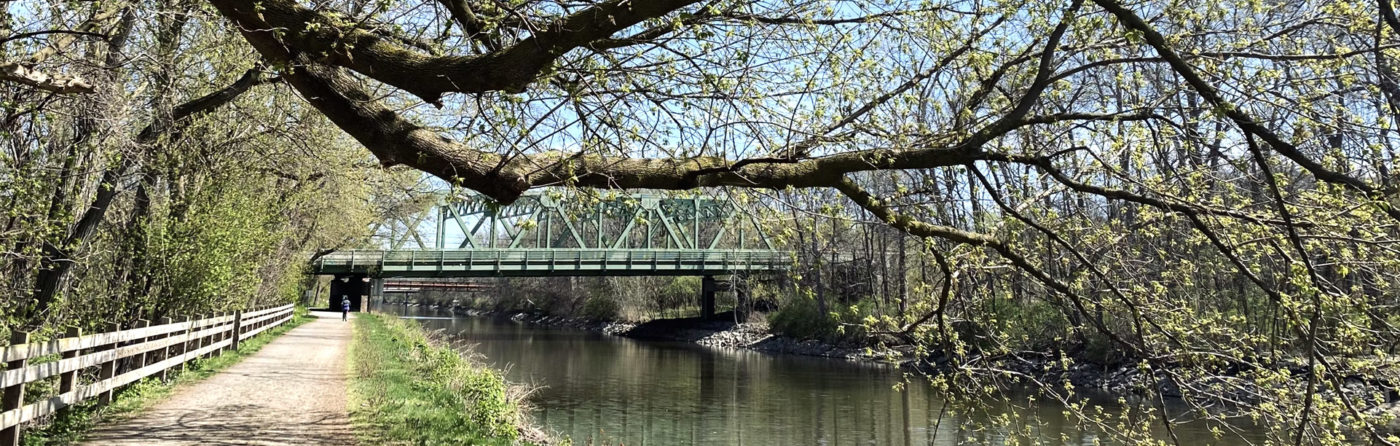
column 555, row 219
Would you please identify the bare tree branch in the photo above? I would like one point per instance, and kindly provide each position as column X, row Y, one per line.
column 14, row 72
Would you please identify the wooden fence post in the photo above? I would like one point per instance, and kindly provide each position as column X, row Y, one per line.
column 232, row 324
column 163, row 353
column 109, row 368
column 14, row 395
column 237, row 329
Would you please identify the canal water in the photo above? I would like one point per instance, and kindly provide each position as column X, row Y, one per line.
column 598, row 389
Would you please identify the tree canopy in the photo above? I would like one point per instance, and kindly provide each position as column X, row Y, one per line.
column 1198, row 185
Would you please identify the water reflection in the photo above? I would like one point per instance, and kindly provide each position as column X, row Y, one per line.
column 600, row 389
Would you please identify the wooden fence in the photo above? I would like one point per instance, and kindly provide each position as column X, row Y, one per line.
column 94, row 365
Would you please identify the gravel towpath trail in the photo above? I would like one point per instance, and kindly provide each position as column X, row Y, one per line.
column 292, row 391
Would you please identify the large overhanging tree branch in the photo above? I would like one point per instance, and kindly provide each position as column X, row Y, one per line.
column 396, row 140
column 334, row 40
column 298, row 38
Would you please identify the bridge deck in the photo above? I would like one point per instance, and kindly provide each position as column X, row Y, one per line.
column 550, row 262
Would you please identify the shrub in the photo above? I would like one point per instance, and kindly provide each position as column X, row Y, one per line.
column 801, row 319
column 601, row 308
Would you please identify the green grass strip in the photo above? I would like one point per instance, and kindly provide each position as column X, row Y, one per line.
column 407, row 389
column 73, row 423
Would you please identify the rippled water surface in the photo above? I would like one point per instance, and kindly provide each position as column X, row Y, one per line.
column 599, row 389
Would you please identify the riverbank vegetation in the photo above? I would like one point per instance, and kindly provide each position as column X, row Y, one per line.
column 186, row 180
column 407, row 388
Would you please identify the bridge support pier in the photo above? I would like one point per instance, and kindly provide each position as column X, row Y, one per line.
column 376, row 292
column 708, row 286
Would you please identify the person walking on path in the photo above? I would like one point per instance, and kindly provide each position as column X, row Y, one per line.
column 345, row 308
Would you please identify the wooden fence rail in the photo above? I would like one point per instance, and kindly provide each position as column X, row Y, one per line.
column 115, row 358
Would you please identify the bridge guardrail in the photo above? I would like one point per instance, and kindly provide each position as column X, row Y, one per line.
column 572, row 260
column 141, row 351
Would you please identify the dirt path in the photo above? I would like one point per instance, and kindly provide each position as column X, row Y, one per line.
column 292, row 391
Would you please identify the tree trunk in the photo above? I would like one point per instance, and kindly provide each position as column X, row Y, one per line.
column 903, row 273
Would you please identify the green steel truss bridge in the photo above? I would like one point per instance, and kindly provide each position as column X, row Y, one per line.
column 563, row 233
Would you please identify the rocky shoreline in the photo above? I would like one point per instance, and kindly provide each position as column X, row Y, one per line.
column 717, row 333
column 727, row 334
